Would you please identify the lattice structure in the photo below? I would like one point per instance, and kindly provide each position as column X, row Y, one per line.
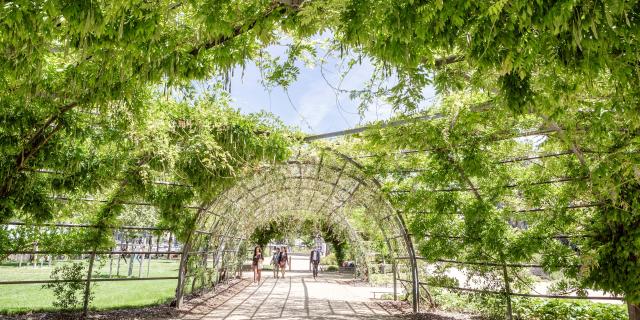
column 321, row 182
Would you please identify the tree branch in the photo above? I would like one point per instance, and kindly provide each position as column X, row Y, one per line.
column 442, row 62
column 35, row 143
column 237, row 31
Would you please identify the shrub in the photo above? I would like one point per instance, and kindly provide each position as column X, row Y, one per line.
column 330, row 259
column 493, row 307
column 332, row 268
column 68, row 295
column 546, row 309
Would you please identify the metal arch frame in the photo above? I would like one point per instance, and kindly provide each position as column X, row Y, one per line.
column 308, row 208
column 289, row 178
column 276, row 166
column 333, row 189
column 284, row 178
column 404, row 231
column 353, row 235
column 257, row 199
column 271, row 197
column 258, row 204
column 248, row 191
column 399, row 221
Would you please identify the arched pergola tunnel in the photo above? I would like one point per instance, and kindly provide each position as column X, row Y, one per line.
column 319, row 181
column 324, row 182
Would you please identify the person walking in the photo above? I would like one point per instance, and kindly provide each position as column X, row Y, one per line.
column 275, row 262
column 283, row 260
column 256, row 263
column 314, row 261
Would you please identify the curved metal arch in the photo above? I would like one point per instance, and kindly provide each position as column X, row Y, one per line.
column 342, row 201
column 295, row 208
column 274, row 195
column 289, row 207
column 294, row 178
column 261, row 185
column 336, row 219
column 377, row 193
column 407, row 238
column 245, row 192
column 257, row 199
column 285, row 178
column 299, row 163
column 258, row 206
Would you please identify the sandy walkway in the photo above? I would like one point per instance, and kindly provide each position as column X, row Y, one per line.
column 299, row 296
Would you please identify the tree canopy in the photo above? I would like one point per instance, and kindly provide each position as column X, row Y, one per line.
column 83, row 114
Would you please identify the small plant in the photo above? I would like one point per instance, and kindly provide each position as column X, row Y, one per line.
column 68, row 292
column 329, row 259
column 386, row 296
column 332, row 268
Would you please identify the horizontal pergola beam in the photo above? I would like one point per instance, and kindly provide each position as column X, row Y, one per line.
column 395, row 123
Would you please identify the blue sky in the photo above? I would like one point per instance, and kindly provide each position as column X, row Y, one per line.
column 314, row 106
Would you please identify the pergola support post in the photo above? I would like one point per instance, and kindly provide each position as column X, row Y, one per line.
column 395, row 280
column 87, row 287
column 182, row 272
column 416, row 285
column 507, row 291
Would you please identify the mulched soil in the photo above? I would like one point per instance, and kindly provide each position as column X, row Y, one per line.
column 403, row 310
column 195, row 304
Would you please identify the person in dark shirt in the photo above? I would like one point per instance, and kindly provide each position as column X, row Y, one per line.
column 314, row 260
column 256, row 264
column 283, row 261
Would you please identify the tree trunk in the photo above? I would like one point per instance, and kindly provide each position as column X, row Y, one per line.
column 634, row 311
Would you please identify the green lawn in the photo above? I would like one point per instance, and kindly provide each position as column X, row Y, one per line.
column 120, row 294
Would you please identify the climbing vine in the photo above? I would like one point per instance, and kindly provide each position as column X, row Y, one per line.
column 552, row 82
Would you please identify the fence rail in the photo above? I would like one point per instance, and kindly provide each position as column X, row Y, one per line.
column 85, row 280
column 526, row 295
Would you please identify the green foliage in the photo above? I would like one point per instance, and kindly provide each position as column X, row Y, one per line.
column 79, row 99
column 340, row 249
column 332, row 268
column 469, row 204
column 537, row 309
column 69, row 295
column 289, row 226
column 274, row 230
column 528, row 308
column 613, row 264
column 329, row 259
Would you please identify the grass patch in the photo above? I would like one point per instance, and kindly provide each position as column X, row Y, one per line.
column 107, row 295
